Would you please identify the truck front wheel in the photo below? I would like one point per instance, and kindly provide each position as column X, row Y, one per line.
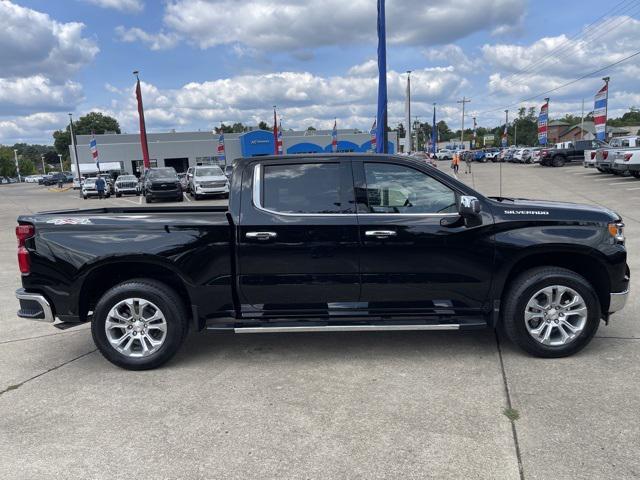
column 551, row 312
column 139, row 324
column 558, row 161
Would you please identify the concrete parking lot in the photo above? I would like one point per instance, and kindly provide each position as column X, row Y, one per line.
column 351, row 405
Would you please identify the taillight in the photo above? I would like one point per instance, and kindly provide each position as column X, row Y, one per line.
column 627, row 156
column 23, row 232
column 593, row 155
column 605, row 154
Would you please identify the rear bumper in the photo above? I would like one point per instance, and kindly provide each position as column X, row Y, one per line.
column 34, row 306
column 618, row 300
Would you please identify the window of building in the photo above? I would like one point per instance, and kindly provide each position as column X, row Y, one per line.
column 215, row 160
column 399, row 189
column 302, row 188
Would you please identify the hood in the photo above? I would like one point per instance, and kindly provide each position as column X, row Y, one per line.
column 210, row 178
column 525, row 209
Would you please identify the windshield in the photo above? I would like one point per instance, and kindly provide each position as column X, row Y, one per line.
column 213, row 171
column 162, row 173
column 90, row 181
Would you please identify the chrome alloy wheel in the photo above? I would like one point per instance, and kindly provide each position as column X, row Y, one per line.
column 135, row 327
column 555, row 315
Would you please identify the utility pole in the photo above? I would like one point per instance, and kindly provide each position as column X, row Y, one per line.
column 15, row 154
column 44, row 170
column 408, row 128
column 463, row 102
column 515, row 133
column 75, row 152
column 582, row 122
column 505, row 139
column 60, row 158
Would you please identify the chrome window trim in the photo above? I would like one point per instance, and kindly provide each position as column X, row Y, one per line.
column 257, row 203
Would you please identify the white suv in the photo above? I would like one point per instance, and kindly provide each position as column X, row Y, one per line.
column 207, row 180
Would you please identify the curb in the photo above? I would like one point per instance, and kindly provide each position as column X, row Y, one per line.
column 59, row 190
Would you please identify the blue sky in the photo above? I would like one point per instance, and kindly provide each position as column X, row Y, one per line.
column 207, row 61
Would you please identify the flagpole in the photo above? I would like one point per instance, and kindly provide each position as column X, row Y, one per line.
column 381, row 117
column 75, row 151
column 408, row 129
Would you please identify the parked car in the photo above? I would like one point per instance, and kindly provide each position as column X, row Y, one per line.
column 208, row 180
column 33, row 178
column 627, row 162
column 327, row 243
column 126, row 185
column 89, row 188
column 480, row 156
column 605, row 155
column 161, row 184
column 55, row 179
column 566, row 152
column 491, row 153
column 445, row 154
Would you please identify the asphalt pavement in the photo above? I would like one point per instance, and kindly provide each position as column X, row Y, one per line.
column 342, row 405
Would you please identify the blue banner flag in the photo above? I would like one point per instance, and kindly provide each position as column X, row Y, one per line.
column 381, row 118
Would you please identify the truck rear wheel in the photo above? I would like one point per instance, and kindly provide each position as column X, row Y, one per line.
column 558, row 161
column 551, row 312
column 139, row 324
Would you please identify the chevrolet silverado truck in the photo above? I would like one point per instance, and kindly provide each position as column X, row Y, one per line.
column 326, row 243
column 567, row 152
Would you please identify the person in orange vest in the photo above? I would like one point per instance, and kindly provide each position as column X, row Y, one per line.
column 455, row 163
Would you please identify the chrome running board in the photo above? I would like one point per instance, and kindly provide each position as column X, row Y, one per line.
column 346, row 328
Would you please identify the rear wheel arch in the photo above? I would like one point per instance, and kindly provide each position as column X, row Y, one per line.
column 103, row 277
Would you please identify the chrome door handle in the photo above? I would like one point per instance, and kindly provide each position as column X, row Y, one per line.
column 380, row 233
column 261, row 235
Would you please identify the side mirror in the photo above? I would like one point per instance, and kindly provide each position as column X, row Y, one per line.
column 468, row 206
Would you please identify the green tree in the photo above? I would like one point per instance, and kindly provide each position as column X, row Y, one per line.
column 95, row 122
column 263, row 125
column 311, row 128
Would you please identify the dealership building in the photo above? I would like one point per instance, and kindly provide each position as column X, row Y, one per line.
column 182, row 150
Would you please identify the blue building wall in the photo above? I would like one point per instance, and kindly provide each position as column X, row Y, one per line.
column 257, row 143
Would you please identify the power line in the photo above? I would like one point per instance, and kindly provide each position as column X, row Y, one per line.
column 586, row 75
column 586, row 33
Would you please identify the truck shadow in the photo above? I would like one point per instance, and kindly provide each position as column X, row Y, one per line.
column 203, row 348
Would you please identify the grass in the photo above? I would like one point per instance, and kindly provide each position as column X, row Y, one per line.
column 511, row 413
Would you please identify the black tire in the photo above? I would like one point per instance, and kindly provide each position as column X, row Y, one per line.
column 167, row 300
column 636, row 173
column 521, row 291
column 180, row 198
column 558, row 161
column 147, row 199
column 195, row 196
column 118, row 195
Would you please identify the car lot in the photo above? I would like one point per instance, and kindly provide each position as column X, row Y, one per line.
column 401, row 405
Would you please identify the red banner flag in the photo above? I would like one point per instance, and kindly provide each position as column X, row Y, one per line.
column 143, row 129
column 275, row 133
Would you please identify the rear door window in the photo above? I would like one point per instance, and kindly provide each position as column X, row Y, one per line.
column 309, row 188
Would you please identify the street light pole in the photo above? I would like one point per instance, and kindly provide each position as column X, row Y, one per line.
column 408, row 132
column 15, row 154
column 463, row 102
column 60, row 158
column 44, row 170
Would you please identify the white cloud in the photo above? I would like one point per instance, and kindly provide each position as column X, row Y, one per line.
column 33, row 43
column 37, row 93
column 34, row 128
column 130, row 6
column 303, row 99
column 292, row 25
column 453, row 56
column 552, row 61
column 155, row 41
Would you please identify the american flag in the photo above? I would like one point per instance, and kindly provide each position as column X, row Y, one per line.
column 221, row 156
column 93, row 146
column 279, row 142
column 600, row 112
column 372, row 132
column 334, row 137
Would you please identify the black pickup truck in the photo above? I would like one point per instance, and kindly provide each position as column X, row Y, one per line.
column 569, row 152
column 325, row 243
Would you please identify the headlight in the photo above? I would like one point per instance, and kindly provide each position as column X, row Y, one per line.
column 616, row 230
